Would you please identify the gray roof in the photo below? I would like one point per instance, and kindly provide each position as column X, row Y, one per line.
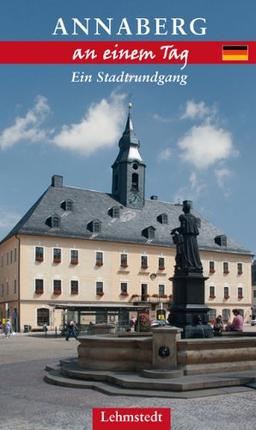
column 89, row 205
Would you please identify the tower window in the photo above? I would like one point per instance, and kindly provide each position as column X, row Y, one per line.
column 135, row 166
column 135, row 181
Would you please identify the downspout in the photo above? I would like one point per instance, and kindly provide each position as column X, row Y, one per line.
column 18, row 282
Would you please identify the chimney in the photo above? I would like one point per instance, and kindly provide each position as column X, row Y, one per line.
column 57, row 181
column 154, row 198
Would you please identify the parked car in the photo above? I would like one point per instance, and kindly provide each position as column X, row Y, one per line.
column 253, row 322
column 159, row 323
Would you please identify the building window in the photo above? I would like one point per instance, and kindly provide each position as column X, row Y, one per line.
column 43, row 316
column 135, row 181
column 15, row 255
column 124, row 260
column 39, row 253
column 225, row 267
column 56, row 255
column 212, row 315
column 7, row 258
column 94, row 226
column 240, row 293
column 55, row 221
column 144, row 262
column 239, row 268
column 212, row 292
column 14, row 286
column 57, row 287
column 11, row 257
column 74, row 287
column 99, row 288
column 124, row 289
column 211, row 267
column 149, row 232
column 254, row 294
column 161, row 290
column 73, row 256
column 144, row 292
column 161, row 263
column 225, row 315
column 99, row 258
column 114, row 212
column 163, row 218
column 67, row 205
column 226, row 293
column 39, row 286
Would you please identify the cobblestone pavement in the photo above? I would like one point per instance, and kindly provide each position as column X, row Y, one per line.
column 28, row 403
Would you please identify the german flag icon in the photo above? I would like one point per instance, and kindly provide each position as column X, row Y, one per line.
column 235, row 53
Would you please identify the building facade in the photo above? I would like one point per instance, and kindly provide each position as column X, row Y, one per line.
column 88, row 247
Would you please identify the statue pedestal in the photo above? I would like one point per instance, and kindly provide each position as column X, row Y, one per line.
column 189, row 311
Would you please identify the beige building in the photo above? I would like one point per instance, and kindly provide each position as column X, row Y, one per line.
column 87, row 247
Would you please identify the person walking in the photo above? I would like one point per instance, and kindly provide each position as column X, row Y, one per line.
column 8, row 328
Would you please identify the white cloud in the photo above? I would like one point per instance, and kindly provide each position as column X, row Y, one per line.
column 192, row 191
column 195, row 110
column 100, row 127
column 165, row 154
column 161, row 118
column 206, row 144
column 8, row 219
column 222, row 174
column 27, row 128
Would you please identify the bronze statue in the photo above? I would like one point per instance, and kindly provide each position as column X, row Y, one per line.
column 185, row 238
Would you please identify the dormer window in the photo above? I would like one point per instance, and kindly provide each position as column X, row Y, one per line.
column 94, row 226
column 149, row 232
column 221, row 240
column 163, row 218
column 53, row 221
column 67, row 205
column 114, row 212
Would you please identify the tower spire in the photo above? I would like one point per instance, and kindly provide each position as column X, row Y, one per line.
column 129, row 137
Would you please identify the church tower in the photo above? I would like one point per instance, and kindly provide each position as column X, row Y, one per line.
column 128, row 181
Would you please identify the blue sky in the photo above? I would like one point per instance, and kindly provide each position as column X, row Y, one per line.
column 197, row 140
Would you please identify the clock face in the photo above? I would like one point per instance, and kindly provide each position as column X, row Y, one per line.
column 134, row 199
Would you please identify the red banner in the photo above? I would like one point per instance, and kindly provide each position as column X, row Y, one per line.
column 131, row 52
column 131, row 419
